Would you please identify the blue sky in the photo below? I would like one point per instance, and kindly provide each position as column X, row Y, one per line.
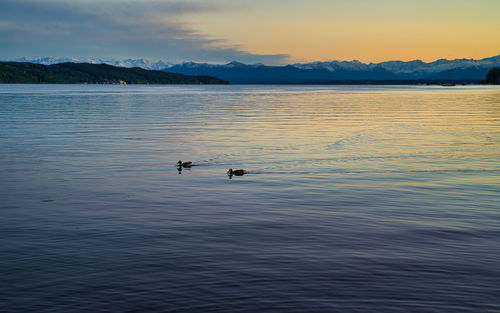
column 271, row 32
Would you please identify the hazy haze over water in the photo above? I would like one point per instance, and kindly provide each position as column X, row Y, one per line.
column 358, row 199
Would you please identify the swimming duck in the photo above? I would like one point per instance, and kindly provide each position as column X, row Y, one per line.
column 236, row 172
column 184, row 164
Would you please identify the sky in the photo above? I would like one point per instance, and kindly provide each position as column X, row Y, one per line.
column 251, row 31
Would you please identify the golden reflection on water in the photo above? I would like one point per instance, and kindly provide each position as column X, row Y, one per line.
column 331, row 130
column 352, row 192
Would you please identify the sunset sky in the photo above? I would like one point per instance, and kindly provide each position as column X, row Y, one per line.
column 251, row 31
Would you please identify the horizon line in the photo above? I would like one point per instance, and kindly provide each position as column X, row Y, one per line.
column 155, row 60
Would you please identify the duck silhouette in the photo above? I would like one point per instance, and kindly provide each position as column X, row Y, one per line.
column 185, row 164
column 232, row 172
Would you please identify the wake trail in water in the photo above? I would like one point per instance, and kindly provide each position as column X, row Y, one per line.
column 340, row 171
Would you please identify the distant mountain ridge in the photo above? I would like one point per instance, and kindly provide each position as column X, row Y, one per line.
column 334, row 71
column 418, row 67
column 465, row 70
column 142, row 63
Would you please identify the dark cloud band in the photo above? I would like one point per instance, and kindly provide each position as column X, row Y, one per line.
column 151, row 29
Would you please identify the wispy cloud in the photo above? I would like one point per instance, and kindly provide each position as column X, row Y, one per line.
column 82, row 28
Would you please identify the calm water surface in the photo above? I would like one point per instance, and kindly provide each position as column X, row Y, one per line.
column 358, row 199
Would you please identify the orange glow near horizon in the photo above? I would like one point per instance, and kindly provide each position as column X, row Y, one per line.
column 322, row 30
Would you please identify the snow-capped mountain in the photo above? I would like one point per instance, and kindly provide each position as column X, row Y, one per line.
column 310, row 73
column 328, row 72
column 416, row 66
column 233, row 64
column 334, row 65
column 142, row 63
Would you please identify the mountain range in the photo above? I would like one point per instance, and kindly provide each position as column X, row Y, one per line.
column 142, row 63
column 463, row 70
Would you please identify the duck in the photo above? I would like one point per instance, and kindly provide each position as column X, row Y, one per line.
column 232, row 172
column 184, row 164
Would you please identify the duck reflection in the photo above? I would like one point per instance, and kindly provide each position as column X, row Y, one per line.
column 181, row 165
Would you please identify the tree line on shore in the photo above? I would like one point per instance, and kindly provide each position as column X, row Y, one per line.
column 85, row 73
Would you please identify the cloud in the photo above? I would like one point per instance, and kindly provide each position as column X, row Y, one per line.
column 89, row 28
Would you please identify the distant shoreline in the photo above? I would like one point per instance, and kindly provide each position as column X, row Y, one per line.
column 377, row 82
column 86, row 73
column 341, row 83
column 103, row 74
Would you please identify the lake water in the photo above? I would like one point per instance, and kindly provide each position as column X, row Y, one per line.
column 357, row 199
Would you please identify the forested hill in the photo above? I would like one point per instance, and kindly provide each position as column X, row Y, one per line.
column 81, row 73
column 493, row 76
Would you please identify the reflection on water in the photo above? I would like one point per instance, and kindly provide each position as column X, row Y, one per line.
column 357, row 198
